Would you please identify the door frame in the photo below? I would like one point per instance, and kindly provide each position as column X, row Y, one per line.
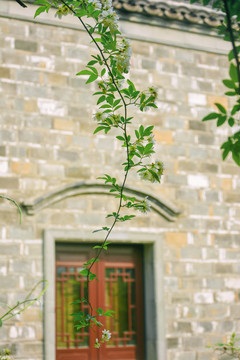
column 155, row 343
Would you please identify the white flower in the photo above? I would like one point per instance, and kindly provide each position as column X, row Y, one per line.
column 146, row 206
column 123, row 58
column 108, row 3
column 97, row 344
column 63, row 10
column 151, row 139
column 147, row 173
column 108, row 16
column 106, row 336
column 96, row 3
column 143, row 206
column 115, row 119
column 99, row 116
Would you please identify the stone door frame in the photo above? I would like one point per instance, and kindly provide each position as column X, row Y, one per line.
column 155, row 342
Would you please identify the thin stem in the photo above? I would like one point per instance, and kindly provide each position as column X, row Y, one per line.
column 124, row 128
column 27, row 300
column 230, row 30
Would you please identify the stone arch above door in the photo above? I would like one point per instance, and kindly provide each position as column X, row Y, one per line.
column 158, row 204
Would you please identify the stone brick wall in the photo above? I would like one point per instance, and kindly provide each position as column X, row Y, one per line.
column 47, row 142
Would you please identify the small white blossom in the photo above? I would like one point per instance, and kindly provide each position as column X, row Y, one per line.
column 97, row 344
column 147, row 173
column 151, row 139
column 6, row 355
column 108, row 3
column 115, row 119
column 96, row 3
column 99, row 116
column 106, row 335
column 123, row 58
column 63, row 10
column 108, row 16
column 144, row 206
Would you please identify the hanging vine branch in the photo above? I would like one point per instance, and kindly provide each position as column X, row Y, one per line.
column 115, row 95
column 20, row 306
column 230, row 31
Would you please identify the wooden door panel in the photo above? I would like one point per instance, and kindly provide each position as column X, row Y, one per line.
column 71, row 354
column 119, row 354
column 119, row 289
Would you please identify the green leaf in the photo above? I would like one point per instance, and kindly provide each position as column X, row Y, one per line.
column 229, row 84
column 80, row 12
column 99, row 128
column 110, row 100
column 221, row 120
column 231, row 53
column 141, row 130
column 99, row 311
column 236, row 157
column 89, row 262
column 137, row 134
column 211, row 116
column 231, row 121
column 231, row 93
column 221, row 108
column 101, row 99
column 118, row 107
column 84, row 272
column 109, row 313
column 233, row 73
column 225, row 153
column 92, row 78
column 235, row 109
column 148, row 149
column 78, row 302
column 41, row 2
column 152, row 105
column 40, row 10
column 92, row 276
column 148, row 131
column 92, row 62
column 84, row 72
column 116, row 102
column 154, row 174
column 1, row 323
column 103, row 72
column 131, row 86
column 105, row 106
column 125, row 92
column 94, row 70
column 121, row 138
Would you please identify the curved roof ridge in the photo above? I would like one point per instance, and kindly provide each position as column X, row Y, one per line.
column 172, row 9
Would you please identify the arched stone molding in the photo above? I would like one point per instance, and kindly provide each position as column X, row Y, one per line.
column 159, row 205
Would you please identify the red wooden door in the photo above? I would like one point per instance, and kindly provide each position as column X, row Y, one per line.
column 119, row 289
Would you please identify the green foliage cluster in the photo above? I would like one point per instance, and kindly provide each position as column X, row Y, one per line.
column 229, row 349
column 230, row 31
column 5, row 354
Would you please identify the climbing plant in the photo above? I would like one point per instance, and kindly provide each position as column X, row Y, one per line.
column 116, row 94
column 230, row 31
column 18, row 308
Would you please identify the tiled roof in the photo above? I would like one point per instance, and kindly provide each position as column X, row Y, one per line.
column 172, row 9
